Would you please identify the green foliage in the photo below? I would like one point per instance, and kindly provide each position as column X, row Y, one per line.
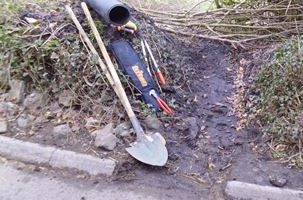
column 8, row 41
column 280, row 95
column 47, row 61
column 9, row 7
column 100, row 26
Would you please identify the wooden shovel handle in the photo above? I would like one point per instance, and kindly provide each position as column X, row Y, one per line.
column 117, row 83
column 91, row 46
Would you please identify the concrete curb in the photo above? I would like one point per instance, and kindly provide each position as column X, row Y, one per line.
column 247, row 191
column 35, row 153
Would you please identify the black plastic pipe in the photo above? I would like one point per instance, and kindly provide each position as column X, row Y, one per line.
column 112, row 11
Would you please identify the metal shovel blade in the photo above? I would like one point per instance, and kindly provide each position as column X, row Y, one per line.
column 150, row 150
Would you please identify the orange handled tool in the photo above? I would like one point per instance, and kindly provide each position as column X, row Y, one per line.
column 160, row 76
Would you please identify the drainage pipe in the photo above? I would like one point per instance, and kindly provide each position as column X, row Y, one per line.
column 112, row 11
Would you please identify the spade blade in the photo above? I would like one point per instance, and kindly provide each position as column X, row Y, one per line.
column 151, row 150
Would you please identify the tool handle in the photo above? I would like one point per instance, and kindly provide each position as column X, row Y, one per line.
column 90, row 46
column 161, row 78
column 165, row 107
column 118, row 85
column 121, row 28
column 157, row 69
column 131, row 25
column 136, row 124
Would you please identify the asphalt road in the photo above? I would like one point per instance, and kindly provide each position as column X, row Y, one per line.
column 22, row 185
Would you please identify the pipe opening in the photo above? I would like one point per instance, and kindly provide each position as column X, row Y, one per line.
column 119, row 15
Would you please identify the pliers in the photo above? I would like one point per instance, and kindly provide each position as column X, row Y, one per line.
column 163, row 105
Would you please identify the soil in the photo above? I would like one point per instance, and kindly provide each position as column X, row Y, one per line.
column 201, row 79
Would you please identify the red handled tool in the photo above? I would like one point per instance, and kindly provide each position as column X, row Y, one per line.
column 163, row 105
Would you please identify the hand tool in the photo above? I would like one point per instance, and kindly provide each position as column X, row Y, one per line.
column 163, row 105
column 122, row 28
column 131, row 25
column 145, row 57
column 147, row 149
column 156, row 66
column 151, row 70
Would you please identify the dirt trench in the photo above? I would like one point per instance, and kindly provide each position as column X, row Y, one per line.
column 203, row 158
column 201, row 138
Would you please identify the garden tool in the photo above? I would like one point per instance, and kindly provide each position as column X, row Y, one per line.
column 120, row 28
column 123, row 28
column 129, row 27
column 145, row 57
column 149, row 149
column 160, row 76
column 163, row 105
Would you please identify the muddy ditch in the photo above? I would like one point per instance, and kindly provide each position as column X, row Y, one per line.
column 206, row 147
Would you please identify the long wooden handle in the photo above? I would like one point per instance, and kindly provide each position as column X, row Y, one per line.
column 123, row 97
column 91, row 47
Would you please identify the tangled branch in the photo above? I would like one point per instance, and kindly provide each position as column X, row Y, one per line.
column 241, row 25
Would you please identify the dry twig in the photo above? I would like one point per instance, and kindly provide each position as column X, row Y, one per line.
column 241, row 25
